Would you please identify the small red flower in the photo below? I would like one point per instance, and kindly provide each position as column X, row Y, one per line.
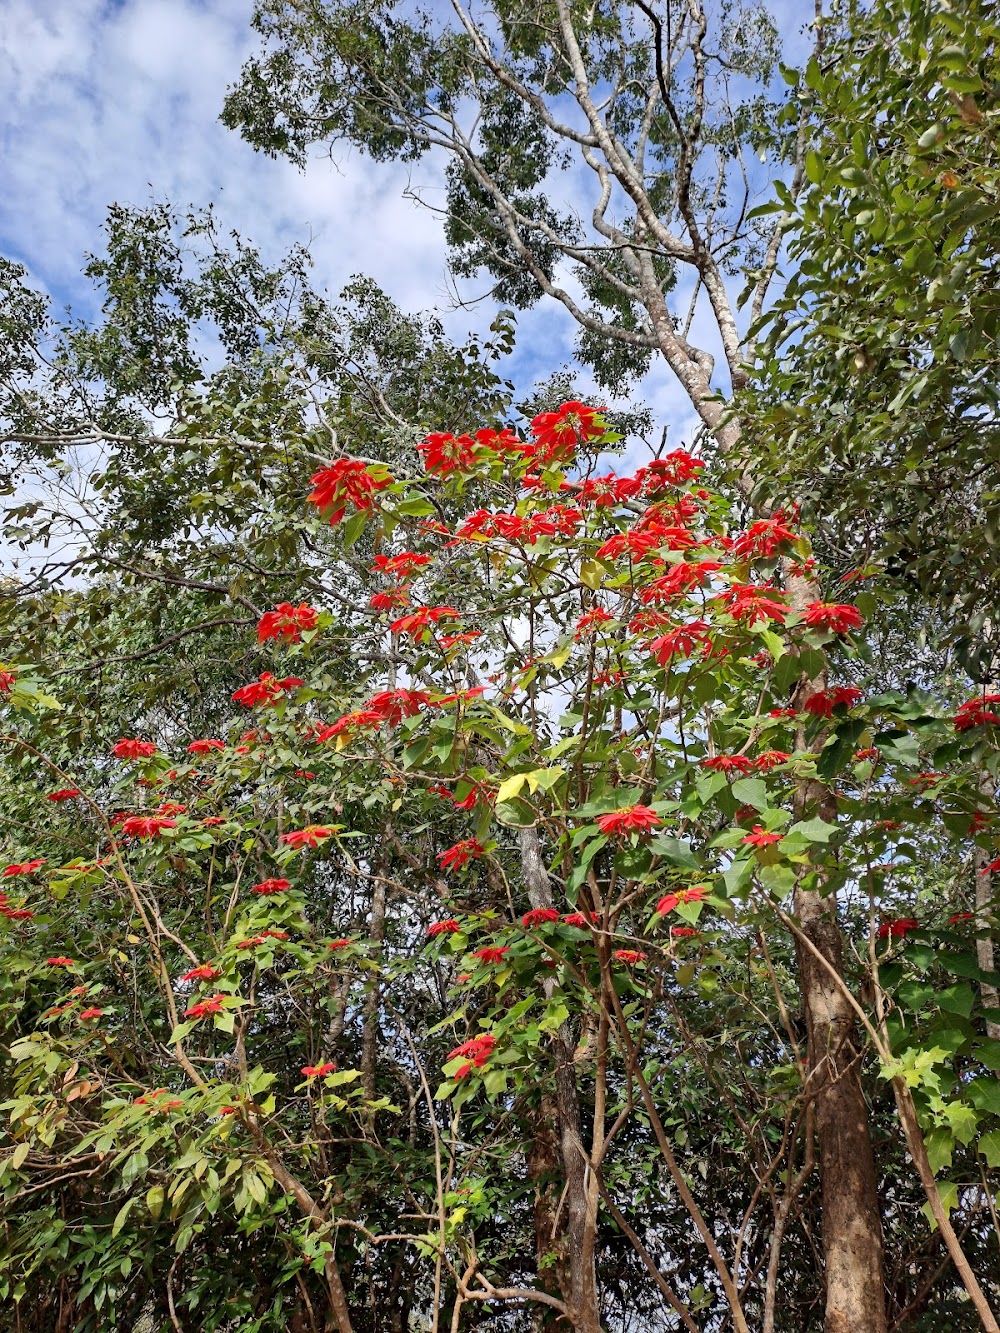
column 896, row 928
column 992, row 868
column 8, row 679
column 869, row 754
column 671, row 901
column 213, row 1005
column 449, row 927
column 87, row 1014
column 267, row 689
column 759, row 838
column 750, row 602
column 132, row 749
column 392, row 600
column 21, row 868
column 491, row 953
column 419, row 623
column 823, row 702
column 455, row 857
column 578, row 919
column 401, row 566
column 539, row 916
column 629, row 819
column 338, row 944
column 629, row 956
column 764, row 537
column 770, row 759
column 558, row 433
column 213, row 821
column 63, row 794
column 60, row 962
column 833, row 616
column 205, row 746
column 393, row 705
column 310, row 836
column 287, row 622
column 269, row 886
column 960, row 916
column 318, row 1071
column 348, row 481
column 203, row 972
column 478, row 1049
column 146, row 826
column 977, row 713
column 684, row 932
column 729, row 763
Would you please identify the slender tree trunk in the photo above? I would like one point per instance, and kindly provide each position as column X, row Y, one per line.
column 575, row 1209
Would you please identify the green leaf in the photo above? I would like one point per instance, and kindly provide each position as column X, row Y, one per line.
column 122, row 1216
column 751, row 791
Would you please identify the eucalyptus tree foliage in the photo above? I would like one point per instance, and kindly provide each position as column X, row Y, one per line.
column 153, row 456
column 604, row 154
column 877, row 394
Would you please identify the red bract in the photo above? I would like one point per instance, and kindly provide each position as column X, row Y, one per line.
column 8, row 679
column 823, row 702
column 401, row 566
column 287, row 622
column 419, row 623
column 679, row 581
column 310, row 836
column 21, row 868
column 63, row 794
column 760, row 838
column 629, row 819
column 673, row 469
column 146, row 826
column 579, row 919
column 684, row 932
column 477, row 1049
column 491, row 953
column 764, row 537
column 443, row 453
column 629, row 956
column 992, row 868
column 60, row 962
column 338, row 944
column 590, row 619
column 896, row 928
column 833, row 616
column 455, row 857
column 393, row 705
column 960, row 916
column 977, row 713
column 132, row 749
column 347, row 482
column 751, row 603
column 449, row 927
column 729, row 763
column 449, row 640
column 86, row 1015
column 539, row 916
column 679, row 642
column 671, row 901
column 867, row 754
column 203, row 972
column 770, row 759
column 356, row 721
column 170, row 808
column 267, row 689
column 393, row 600
column 318, row 1071
column 213, row 1005
column 558, row 433
column 206, row 746
column 269, row 886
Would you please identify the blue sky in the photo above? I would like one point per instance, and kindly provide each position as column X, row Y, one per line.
column 118, row 101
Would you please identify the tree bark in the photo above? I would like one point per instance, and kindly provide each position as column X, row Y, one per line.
column 575, row 1207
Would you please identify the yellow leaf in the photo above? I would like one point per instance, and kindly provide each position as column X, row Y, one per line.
column 511, row 786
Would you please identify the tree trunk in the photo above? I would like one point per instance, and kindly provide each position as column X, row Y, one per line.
column 572, row 1219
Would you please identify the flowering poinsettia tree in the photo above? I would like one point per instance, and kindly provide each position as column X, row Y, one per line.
column 587, row 758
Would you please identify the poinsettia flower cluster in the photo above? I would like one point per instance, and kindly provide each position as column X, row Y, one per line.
column 978, row 712
column 630, row 819
column 287, row 622
column 267, row 689
column 476, row 1052
column 348, row 481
